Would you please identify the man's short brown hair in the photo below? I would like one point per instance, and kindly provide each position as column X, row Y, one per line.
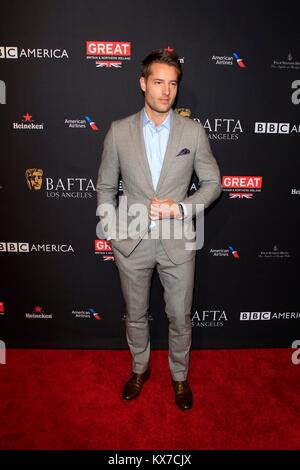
column 161, row 56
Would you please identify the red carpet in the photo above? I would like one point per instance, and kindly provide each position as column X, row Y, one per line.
column 70, row 399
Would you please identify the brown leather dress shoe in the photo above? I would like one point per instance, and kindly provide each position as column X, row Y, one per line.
column 134, row 385
column 183, row 395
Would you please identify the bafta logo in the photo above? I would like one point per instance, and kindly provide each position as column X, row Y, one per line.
column 34, row 178
column 185, row 112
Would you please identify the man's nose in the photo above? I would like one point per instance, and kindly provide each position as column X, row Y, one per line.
column 166, row 90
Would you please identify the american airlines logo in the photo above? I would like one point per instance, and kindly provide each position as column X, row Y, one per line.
column 224, row 252
column 89, row 313
column 229, row 60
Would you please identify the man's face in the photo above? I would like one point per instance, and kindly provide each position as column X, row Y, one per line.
column 160, row 87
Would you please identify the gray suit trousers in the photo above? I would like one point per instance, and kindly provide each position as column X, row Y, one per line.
column 136, row 272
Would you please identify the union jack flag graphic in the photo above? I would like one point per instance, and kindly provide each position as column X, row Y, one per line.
column 241, row 195
column 108, row 258
column 108, row 63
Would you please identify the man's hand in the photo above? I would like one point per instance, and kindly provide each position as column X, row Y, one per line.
column 164, row 209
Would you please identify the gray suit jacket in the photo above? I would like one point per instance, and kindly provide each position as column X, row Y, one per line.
column 124, row 153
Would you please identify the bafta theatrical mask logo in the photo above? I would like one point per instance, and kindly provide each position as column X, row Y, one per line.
column 185, row 112
column 34, row 178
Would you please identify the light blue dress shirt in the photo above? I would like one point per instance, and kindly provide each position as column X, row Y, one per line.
column 156, row 141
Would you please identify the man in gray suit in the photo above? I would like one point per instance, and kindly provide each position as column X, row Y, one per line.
column 156, row 151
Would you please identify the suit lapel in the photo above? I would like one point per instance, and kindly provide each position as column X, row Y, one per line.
column 138, row 140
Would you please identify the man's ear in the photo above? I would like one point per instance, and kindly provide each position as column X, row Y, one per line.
column 143, row 83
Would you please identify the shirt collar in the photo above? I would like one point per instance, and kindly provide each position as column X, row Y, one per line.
column 166, row 123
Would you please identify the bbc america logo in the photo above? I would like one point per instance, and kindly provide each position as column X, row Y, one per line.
column 272, row 128
column 24, row 247
column 7, row 52
column 255, row 316
column 20, row 247
column 284, row 315
column 276, row 128
column 13, row 52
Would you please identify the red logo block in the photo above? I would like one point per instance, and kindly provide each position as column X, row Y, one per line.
column 108, row 48
column 242, row 182
column 102, row 245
